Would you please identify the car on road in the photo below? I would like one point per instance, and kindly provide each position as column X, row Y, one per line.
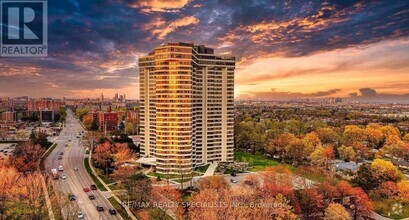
column 60, row 168
column 72, row 197
column 61, row 153
column 85, row 189
column 93, row 187
column 91, row 196
column 233, row 174
column 60, row 157
column 76, row 168
column 100, row 208
column 233, row 181
column 66, row 145
column 80, row 215
column 55, row 174
column 112, row 211
column 64, row 176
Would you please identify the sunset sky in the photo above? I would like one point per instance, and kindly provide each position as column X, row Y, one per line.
column 284, row 49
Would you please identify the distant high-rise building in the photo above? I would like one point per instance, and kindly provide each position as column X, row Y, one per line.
column 187, row 106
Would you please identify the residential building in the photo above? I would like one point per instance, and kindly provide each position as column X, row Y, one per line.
column 10, row 116
column 44, row 104
column 107, row 121
column 187, row 106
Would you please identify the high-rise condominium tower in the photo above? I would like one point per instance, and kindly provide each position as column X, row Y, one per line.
column 187, row 106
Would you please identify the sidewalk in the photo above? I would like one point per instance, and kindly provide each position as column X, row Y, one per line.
column 210, row 170
column 109, row 191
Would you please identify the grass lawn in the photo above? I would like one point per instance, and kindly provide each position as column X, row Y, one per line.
column 185, row 180
column 186, row 196
column 163, row 176
column 172, row 176
column 202, row 169
column 93, row 177
column 119, row 209
column 115, row 187
column 156, row 213
column 106, row 179
column 259, row 162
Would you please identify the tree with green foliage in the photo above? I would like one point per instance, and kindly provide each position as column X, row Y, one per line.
column 81, row 112
column 370, row 176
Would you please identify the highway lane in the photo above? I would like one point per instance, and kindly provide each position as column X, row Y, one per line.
column 73, row 157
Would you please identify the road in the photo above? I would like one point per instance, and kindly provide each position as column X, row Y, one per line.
column 73, row 156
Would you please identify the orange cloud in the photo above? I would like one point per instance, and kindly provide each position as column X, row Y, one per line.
column 347, row 69
column 161, row 29
column 158, row 5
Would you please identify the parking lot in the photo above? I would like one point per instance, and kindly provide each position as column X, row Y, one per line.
column 6, row 150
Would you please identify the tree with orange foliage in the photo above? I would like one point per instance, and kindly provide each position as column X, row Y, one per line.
column 282, row 210
column 406, row 138
column 311, row 142
column 387, row 190
column 122, row 153
column 170, row 198
column 278, row 180
column 92, row 139
column 327, row 135
column 374, row 135
column 26, row 157
column 388, row 130
column 212, row 182
column 210, row 204
column 311, row 202
column 361, row 151
column 88, row 121
column 278, row 146
column 296, row 151
column 363, row 205
column 336, row 211
column 121, row 173
column 102, row 155
column 238, row 203
column 396, row 148
column 353, row 135
column 21, row 196
column 403, row 191
column 321, row 156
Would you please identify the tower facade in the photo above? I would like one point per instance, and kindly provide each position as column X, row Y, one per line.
column 187, row 106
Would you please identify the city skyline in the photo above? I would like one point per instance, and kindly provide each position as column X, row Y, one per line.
column 329, row 48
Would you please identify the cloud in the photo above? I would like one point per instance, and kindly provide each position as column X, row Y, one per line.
column 300, row 28
column 368, row 92
column 371, row 95
column 275, row 95
column 161, row 28
column 157, row 5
